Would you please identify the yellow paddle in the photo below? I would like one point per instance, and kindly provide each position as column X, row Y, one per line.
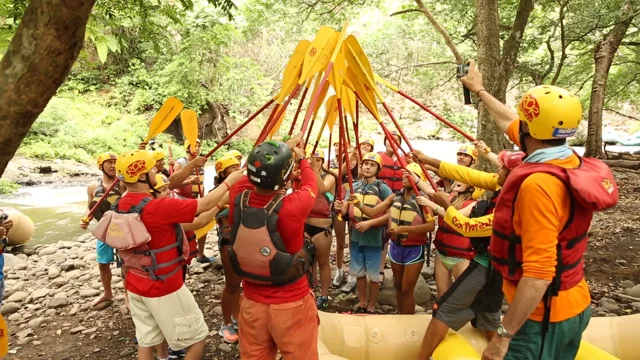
column 293, row 70
column 164, row 117
column 349, row 101
column 189, row 120
column 331, row 114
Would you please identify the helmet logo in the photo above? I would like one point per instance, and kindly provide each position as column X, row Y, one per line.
column 218, row 166
column 607, row 185
column 257, row 164
column 265, row 251
column 136, row 168
column 529, row 107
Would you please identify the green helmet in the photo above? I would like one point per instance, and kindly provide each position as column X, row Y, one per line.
column 269, row 165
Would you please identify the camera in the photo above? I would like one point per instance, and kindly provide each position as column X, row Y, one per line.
column 463, row 70
column 4, row 217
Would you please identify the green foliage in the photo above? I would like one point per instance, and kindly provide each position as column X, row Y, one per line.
column 8, row 187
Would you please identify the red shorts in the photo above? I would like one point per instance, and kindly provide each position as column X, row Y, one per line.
column 291, row 328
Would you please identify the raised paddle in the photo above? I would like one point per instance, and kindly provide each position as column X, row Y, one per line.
column 189, row 121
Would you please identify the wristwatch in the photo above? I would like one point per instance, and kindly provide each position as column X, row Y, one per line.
column 502, row 332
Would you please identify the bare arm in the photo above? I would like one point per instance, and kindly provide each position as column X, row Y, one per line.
column 213, row 197
column 180, row 174
column 378, row 209
column 528, row 295
column 379, row 221
column 91, row 189
column 202, row 220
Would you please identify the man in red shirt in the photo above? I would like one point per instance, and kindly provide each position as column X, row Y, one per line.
column 274, row 317
column 163, row 308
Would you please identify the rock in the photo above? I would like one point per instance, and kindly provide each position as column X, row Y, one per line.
column 36, row 342
column 53, row 272
column 47, row 251
column 96, row 285
column 67, row 266
column 427, row 272
column 37, row 322
column 218, row 310
column 40, row 293
column 90, row 257
column 18, row 286
column 627, row 284
column 387, row 295
column 634, row 291
column 89, row 292
column 25, row 333
column 21, row 266
column 609, row 304
column 23, row 341
column 78, row 329
column 419, row 309
column 207, row 278
column 622, row 262
column 90, row 331
column 386, row 308
column 74, row 309
column 59, row 282
column 27, row 251
column 225, row 347
column 79, row 264
column 57, row 259
column 57, row 303
column 10, row 261
column 18, row 296
column 60, row 295
column 9, row 308
column 15, row 317
column 126, row 352
column 50, row 312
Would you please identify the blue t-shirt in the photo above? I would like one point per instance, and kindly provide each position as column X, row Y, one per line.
column 373, row 236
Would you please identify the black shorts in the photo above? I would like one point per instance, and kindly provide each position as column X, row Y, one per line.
column 475, row 296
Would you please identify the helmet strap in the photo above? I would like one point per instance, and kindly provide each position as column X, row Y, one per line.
column 105, row 173
column 148, row 182
column 523, row 136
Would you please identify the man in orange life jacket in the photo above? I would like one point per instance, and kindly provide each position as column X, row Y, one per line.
column 540, row 226
column 161, row 305
column 268, row 249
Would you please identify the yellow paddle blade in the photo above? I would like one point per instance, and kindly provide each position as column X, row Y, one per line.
column 292, row 71
column 358, row 61
column 364, row 92
column 337, row 74
column 276, row 127
column 386, row 83
column 200, row 233
column 332, row 111
column 164, row 117
column 319, row 52
column 4, row 337
column 349, row 102
column 190, row 127
column 321, row 97
column 339, row 42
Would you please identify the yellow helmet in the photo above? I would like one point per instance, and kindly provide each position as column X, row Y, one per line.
column 234, row 153
column 550, row 112
column 368, row 141
column 158, row 155
column 186, row 144
column 417, row 170
column 161, row 181
column 319, row 153
column 469, row 150
column 371, row 156
column 131, row 165
column 224, row 162
column 106, row 156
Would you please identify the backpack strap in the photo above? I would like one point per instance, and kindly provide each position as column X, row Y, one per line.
column 244, row 199
column 137, row 209
column 274, row 204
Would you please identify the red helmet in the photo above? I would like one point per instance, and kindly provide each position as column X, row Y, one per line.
column 511, row 159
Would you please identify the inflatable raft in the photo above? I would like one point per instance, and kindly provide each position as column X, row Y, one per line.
column 22, row 229
column 378, row 337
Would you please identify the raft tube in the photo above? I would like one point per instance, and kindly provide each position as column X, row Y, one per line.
column 22, row 229
column 378, row 337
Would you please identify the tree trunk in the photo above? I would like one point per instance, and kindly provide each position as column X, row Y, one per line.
column 37, row 61
column 497, row 70
column 604, row 52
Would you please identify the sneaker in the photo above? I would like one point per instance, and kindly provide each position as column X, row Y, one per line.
column 228, row 333
column 350, row 285
column 234, row 322
column 360, row 310
column 177, row 354
column 322, row 302
column 205, row 260
column 338, row 278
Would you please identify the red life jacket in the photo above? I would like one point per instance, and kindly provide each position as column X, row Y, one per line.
column 591, row 188
column 125, row 232
column 449, row 242
column 407, row 213
column 322, row 206
column 391, row 172
column 190, row 191
column 257, row 251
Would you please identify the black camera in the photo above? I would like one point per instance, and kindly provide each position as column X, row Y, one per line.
column 463, row 70
column 4, row 217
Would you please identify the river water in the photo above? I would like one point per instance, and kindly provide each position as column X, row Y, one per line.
column 56, row 211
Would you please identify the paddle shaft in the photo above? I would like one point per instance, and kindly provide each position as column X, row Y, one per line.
column 237, row 130
column 170, row 161
column 89, row 216
column 295, row 118
column 343, row 136
column 315, row 97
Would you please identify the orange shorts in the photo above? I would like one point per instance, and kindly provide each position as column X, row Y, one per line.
column 291, row 328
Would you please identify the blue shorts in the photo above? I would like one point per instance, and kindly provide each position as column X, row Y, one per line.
column 1, row 290
column 104, row 253
column 365, row 260
column 406, row 255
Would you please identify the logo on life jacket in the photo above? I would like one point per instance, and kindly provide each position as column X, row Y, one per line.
column 529, row 107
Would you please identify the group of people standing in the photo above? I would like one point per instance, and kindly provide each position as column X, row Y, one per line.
column 275, row 221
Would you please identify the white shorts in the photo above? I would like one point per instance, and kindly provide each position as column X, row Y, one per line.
column 175, row 317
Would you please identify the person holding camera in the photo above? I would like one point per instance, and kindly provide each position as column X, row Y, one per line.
column 5, row 226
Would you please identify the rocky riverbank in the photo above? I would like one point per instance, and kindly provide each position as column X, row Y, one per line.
column 33, row 172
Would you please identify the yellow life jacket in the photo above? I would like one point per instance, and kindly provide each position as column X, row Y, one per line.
column 369, row 195
column 109, row 201
column 407, row 213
